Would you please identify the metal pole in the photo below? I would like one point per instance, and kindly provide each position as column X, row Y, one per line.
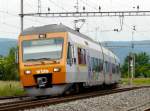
column 133, row 57
column 134, row 29
column 129, row 69
column 77, row 6
column 132, row 69
column 96, row 33
column 134, row 65
column 39, row 6
column 22, row 15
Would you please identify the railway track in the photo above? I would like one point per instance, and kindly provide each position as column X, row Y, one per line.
column 12, row 97
column 32, row 103
column 147, row 109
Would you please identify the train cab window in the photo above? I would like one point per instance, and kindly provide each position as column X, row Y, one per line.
column 81, row 56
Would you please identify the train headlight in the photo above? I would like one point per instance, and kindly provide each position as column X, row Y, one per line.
column 42, row 36
column 27, row 72
column 56, row 69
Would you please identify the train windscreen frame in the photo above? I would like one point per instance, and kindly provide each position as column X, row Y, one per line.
column 42, row 49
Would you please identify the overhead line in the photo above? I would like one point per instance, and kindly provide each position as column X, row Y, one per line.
column 90, row 14
column 9, row 13
column 10, row 25
column 16, row 15
column 2, row 31
column 57, row 5
column 89, row 5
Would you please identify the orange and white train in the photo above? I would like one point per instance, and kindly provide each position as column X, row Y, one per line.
column 55, row 58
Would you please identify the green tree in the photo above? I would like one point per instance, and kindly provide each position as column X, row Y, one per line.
column 1, row 66
column 124, row 68
column 141, row 59
column 142, row 65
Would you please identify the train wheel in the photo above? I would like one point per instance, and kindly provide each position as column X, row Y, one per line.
column 115, row 85
column 77, row 88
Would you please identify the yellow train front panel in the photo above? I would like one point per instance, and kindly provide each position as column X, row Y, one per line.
column 55, row 77
column 39, row 66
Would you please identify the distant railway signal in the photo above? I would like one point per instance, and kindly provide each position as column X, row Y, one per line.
column 131, row 67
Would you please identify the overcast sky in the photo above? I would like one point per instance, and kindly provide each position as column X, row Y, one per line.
column 98, row 28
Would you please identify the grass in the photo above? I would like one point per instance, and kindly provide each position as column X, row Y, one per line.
column 14, row 88
column 11, row 88
column 137, row 81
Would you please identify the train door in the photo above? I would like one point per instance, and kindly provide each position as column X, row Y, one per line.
column 71, row 63
column 110, row 72
column 106, row 72
column 89, row 66
column 82, row 64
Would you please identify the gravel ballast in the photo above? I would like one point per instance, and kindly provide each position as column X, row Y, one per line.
column 115, row 102
column 9, row 100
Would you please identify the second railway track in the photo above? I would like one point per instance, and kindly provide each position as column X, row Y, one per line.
column 33, row 103
column 12, row 97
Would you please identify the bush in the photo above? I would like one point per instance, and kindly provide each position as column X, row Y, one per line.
column 8, row 69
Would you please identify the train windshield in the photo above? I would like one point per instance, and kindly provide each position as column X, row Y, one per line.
column 42, row 49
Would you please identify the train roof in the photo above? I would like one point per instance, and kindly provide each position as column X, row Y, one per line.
column 52, row 28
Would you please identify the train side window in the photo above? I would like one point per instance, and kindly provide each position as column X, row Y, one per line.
column 81, row 56
column 95, row 65
column 101, row 65
column 117, row 68
column 69, row 54
column 92, row 63
column 98, row 66
column 113, row 68
column 85, row 56
column 107, row 67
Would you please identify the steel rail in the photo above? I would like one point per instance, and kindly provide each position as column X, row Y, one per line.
column 13, row 97
column 147, row 109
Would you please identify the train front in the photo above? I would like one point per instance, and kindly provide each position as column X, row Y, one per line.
column 42, row 59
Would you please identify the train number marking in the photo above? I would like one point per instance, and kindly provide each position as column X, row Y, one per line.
column 41, row 71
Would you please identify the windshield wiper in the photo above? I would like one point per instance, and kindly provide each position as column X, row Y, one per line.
column 40, row 59
column 31, row 60
column 44, row 59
